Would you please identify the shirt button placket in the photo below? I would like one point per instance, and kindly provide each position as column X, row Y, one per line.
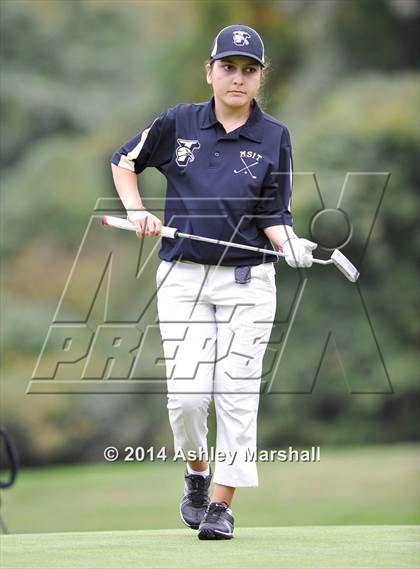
column 215, row 158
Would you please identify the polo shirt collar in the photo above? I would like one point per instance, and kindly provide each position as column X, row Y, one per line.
column 252, row 129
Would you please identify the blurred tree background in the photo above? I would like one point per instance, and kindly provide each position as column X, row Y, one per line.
column 78, row 78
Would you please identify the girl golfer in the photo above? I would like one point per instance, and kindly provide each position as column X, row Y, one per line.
column 228, row 167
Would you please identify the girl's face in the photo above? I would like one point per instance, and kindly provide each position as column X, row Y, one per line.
column 235, row 80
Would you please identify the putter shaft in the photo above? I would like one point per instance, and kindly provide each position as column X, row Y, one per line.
column 337, row 258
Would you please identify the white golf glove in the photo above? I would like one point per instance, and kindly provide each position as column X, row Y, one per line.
column 298, row 252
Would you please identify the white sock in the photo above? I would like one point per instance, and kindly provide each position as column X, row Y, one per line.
column 202, row 472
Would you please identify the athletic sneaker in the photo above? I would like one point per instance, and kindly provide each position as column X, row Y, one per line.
column 217, row 523
column 195, row 500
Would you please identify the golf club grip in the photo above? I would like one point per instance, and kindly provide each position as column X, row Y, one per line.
column 120, row 223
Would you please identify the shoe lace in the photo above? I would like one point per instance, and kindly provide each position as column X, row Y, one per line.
column 198, row 490
column 214, row 511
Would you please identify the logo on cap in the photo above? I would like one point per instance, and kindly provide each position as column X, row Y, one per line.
column 240, row 38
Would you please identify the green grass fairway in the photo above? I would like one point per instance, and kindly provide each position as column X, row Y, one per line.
column 338, row 547
column 353, row 486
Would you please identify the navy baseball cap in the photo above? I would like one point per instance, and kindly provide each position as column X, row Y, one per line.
column 238, row 40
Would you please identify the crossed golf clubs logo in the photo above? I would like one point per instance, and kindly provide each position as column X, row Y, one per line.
column 246, row 168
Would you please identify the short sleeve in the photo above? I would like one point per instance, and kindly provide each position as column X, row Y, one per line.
column 275, row 207
column 149, row 147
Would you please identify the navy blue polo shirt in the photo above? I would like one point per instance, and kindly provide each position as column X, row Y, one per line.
column 226, row 186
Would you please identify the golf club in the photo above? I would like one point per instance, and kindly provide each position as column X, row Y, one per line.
column 337, row 258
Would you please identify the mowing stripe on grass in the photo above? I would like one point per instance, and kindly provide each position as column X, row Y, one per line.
column 305, row 547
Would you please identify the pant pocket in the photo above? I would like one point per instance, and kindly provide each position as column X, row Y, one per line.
column 162, row 271
column 267, row 274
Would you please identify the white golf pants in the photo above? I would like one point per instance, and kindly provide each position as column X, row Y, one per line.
column 214, row 334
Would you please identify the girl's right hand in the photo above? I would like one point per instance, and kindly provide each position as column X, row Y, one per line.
column 145, row 223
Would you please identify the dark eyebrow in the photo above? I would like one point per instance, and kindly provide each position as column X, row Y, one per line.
column 227, row 60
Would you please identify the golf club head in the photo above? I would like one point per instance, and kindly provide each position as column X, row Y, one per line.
column 344, row 265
